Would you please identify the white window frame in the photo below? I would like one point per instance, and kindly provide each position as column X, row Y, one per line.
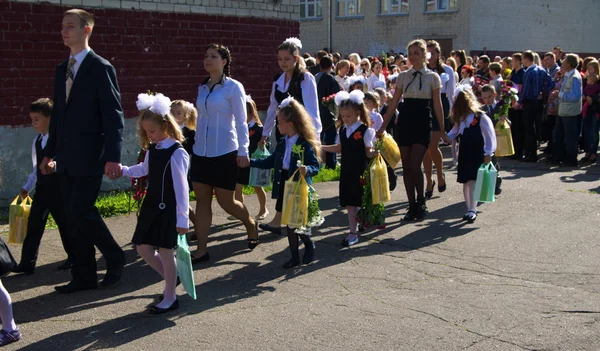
column 442, row 6
column 357, row 4
column 403, row 7
column 317, row 6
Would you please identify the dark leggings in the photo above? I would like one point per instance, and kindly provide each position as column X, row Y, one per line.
column 412, row 158
column 293, row 241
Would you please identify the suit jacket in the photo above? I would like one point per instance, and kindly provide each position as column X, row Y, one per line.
column 495, row 110
column 326, row 86
column 87, row 130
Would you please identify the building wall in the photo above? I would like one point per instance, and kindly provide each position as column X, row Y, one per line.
column 154, row 45
column 537, row 25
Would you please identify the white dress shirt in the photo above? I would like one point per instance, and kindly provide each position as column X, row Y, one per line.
column 376, row 120
column 373, row 79
column 79, row 58
column 179, row 171
column 487, row 131
column 32, row 178
column 309, row 98
column 449, row 84
column 287, row 156
column 369, row 136
column 221, row 126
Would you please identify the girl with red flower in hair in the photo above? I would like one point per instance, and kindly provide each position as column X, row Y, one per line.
column 355, row 143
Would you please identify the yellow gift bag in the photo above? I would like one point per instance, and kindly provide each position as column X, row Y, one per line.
column 504, row 140
column 295, row 202
column 17, row 220
column 390, row 150
column 380, row 187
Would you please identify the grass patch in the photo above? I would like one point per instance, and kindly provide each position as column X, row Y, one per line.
column 121, row 202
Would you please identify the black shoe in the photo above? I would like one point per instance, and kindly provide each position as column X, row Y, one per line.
column 158, row 310
column 421, row 209
column 23, row 269
column 530, row 159
column 498, row 190
column 309, row 254
column 112, row 276
column 292, row 263
column 253, row 243
column 470, row 216
column 570, row 164
column 200, row 259
column 65, row 266
column 74, row 287
column 410, row 215
column 442, row 188
column 429, row 193
column 515, row 157
column 274, row 230
column 361, row 228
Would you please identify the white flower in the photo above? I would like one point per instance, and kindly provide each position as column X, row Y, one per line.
column 516, row 98
column 298, row 164
column 294, row 41
column 161, row 105
column 513, row 91
column 286, row 102
column 144, row 101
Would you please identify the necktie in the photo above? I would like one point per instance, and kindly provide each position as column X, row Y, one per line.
column 69, row 82
column 414, row 77
column 489, row 111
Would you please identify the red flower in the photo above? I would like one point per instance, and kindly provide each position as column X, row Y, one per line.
column 251, row 132
column 474, row 123
column 362, row 181
column 357, row 135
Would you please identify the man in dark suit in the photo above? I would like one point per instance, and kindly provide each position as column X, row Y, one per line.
column 327, row 85
column 85, row 136
column 316, row 68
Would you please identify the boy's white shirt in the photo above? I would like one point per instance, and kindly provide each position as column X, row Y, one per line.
column 32, row 178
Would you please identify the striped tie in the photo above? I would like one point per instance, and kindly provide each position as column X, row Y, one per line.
column 69, row 82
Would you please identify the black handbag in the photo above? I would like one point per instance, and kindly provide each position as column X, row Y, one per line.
column 7, row 261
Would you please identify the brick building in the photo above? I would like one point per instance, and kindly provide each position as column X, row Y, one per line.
column 503, row 26
column 155, row 45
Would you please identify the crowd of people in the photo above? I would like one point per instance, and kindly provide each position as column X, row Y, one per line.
column 207, row 147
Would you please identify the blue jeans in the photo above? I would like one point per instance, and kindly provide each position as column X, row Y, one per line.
column 590, row 133
column 566, row 139
column 328, row 138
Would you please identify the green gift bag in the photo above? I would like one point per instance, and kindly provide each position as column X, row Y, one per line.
column 184, row 266
column 485, row 185
column 260, row 177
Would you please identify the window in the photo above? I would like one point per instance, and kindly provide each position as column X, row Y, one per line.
column 350, row 8
column 441, row 5
column 390, row 7
column 311, row 9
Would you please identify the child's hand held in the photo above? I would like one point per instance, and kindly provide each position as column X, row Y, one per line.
column 182, row 231
column 487, row 159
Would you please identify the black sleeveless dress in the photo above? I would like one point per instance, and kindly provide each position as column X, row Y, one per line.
column 294, row 90
column 470, row 152
column 354, row 163
column 157, row 223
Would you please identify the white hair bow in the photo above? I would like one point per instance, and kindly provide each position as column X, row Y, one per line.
column 286, row 102
column 294, row 41
column 355, row 79
column 391, row 77
column 356, row 96
column 248, row 98
column 161, row 105
column 460, row 88
column 144, row 101
column 188, row 105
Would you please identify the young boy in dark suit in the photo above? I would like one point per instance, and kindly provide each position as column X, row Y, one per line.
column 48, row 198
column 490, row 108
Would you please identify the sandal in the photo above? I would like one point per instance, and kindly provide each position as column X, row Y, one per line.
column 253, row 243
column 261, row 217
column 429, row 193
column 442, row 188
column 9, row 337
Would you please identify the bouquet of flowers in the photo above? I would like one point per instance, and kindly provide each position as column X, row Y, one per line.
column 506, row 98
column 139, row 184
column 329, row 102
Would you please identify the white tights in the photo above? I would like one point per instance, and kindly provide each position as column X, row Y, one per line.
column 469, row 192
column 163, row 262
column 6, row 311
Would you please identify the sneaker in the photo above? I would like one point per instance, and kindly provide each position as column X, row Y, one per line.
column 351, row 239
column 9, row 337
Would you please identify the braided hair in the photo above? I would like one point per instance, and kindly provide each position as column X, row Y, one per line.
column 225, row 55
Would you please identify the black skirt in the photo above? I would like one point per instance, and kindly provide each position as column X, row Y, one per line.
column 414, row 122
column 156, row 227
column 351, row 191
column 279, row 203
column 243, row 176
column 470, row 153
column 219, row 172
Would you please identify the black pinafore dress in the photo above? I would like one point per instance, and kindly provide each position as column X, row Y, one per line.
column 157, row 222
column 414, row 121
column 294, row 90
column 354, row 163
column 470, row 153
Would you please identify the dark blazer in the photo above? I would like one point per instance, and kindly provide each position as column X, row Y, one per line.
column 275, row 161
column 326, row 86
column 87, row 130
column 495, row 110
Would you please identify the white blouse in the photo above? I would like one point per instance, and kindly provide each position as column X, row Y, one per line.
column 373, row 79
column 179, row 171
column 369, row 136
column 32, row 178
column 343, row 82
column 287, row 156
column 487, row 130
column 309, row 97
column 221, row 126
column 418, row 84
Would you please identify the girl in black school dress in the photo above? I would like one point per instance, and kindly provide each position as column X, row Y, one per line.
column 298, row 83
column 164, row 212
column 356, row 146
column 186, row 115
column 477, row 143
column 255, row 129
column 418, row 87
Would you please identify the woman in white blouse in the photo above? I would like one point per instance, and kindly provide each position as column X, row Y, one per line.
column 294, row 81
column 341, row 74
column 220, row 147
column 375, row 76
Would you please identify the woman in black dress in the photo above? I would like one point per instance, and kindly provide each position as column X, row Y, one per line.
column 418, row 87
